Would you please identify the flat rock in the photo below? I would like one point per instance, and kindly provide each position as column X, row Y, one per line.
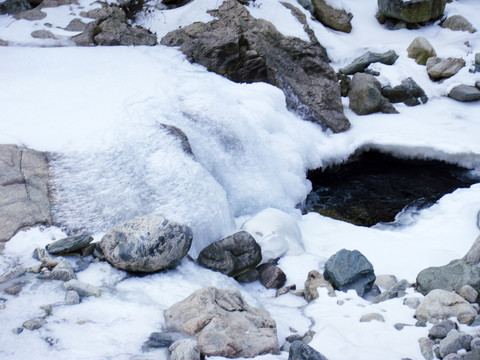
column 43, row 34
column 421, row 50
column 361, row 63
column 34, row 324
column 438, row 68
column 14, row 6
column 468, row 293
column 464, row 93
column 69, row 244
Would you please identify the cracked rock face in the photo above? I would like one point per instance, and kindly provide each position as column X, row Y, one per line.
column 23, row 190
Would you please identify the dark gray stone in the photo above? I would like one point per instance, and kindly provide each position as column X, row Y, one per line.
column 14, row 6
column 458, row 23
column 180, row 135
column 248, row 277
column 455, row 341
column 162, row 339
column 438, row 68
column 465, row 93
column 233, row 255
column 301, row 351
column 361, row 63
column 31, row 15
column 331, row 17
column 366, row 97
column 412, row 11
column 441, row 330
column 350, row 270
column 271, row 276
column 449, row 277
column 245, row 49
column 146, row 244
column 397, row 290
column 407, row 92
column 69, row 244
column 476, row 322
column 400, row 326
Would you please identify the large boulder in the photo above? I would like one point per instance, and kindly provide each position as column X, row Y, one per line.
column 233, row 255
column 146, row 244
column 452, row 276
column 350, row 270
column 464, row 93
column 337, row 19
column 412, row 11
column 224, row 324
column 366, row 97
column 362, row 62
column 245, row 49
column 408, row 92
column 420, row 49
column 24, row 195
column 458, row 23
column 438, row 68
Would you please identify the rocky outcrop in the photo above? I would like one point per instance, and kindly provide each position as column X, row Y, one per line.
column 24, row 192
column 245, row 49
column 146, row 244
column 408, row 92
column 337, row 19
column 361, row 63
column 366, row 97
column 464, row 93
column 412, row 11
column 224, row 324
column 420, row 49
column 458, row 23
column 438, row 68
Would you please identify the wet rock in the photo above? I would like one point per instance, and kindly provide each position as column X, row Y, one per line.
column 438, row 68
column 426, row 348
column 412, row 11
column 313, row 282
column 372, row 316
column 454, row 341
column 385, row 281
column 146, row 244
column 366, row 97
column 245, row 49
column 24, row 198
column 271, row 276
column 441, row 330
column 69, row 244
column 224, row 324
column 11, row 274
column 350, row 270
column 464, row 93
column 34, row 324
column 412, row 302
column 361, row 63
column 421, row 50
column 408, row 92
column 185, row 349
column 301, row 351
column 458, row 23
column 83, row 289
column 14, row 6
column 43, row 34
column 72, row 298
column 337, row 19
column 468, row 293
column 233, row 255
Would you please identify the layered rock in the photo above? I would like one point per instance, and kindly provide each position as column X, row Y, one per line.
column 245, row 49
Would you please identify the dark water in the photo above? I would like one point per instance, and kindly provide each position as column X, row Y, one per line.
column 373, row 187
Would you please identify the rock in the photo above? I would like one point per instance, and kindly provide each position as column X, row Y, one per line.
column 443, row 68
column 245, row 49
column 397, row 290
column 468, row 293
column 361, row 63
column 475, row 344
column 441, row 330
column 72, row 298
column 349, row 270
column 233, row 255
column 385, row 282
column 458, row 23
column 454, row 341
column 43, row 34
column 426, row 348
column 412, row 11
column 371, row 317
column 76, row 25
column 271, row 276
column 453, row 357
column 476, row 322
column 17, row 330
column 337, row 19
column 146, row 244
column 400, row 326
column 185, row 349
column 11, row 274
column 412, row 302
column 366, row 97
column 14, row 6
column 472, row 257
column 83, row 289
column 471, row 355
column 34, row 324
column 161, row 339
column 421, row 50
column 285, row 289
column 180, row 136
column 407, row 92
column 313, row 282
column 248, row 277
column 69, row 244
column 16, row 288
column 224, row 324
column 301, row 351
column 464, row 93
column 24, row 198
column 441, row 304
column 449, row 277
column 63, row 271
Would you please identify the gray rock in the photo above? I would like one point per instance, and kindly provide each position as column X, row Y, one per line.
column 63, row 271
column 449, row 277
column 400, row 326
column 248, row 277
column 412, row 302
column 307, row 4
column 245, row 49
column 385, row 282
column 336, row 19
column 180, row 136
column 412, row 11
column 301, row 351
column 372, row 316
column 162, row 339
column 14, row 6
column 76, row 25
column 34, row 324
column 453, row 357
column 441, row 330
column 313, row 282
column 24, row 193
column 366, row 97
column 361, row 63
column 468, row 293
column 426, row 348
column 441, row 305
column 271, row 276
column 397, row 290
column 146, row 244
column 11, row 274
column 72, row 298
column 31, row 15
column 458, row 23
column 408, row 92
column 438, row 68
column 83, row 289
column 3, row 43
column 421, row 50
column 472, row 257
column 233, row 255
column 185, row 349
column 16, row 288
column 471, row 355
column 224, row 324
column 476, row 322
column 43, row 34
column 69, row 244
column 17, row 330
column 465, row 93
column 455, row 341
column 475, row 344
column 349, row 270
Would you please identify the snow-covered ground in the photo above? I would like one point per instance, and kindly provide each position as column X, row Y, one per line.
column 100, row 110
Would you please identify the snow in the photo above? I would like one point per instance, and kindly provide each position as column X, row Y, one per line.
column 98, row 111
